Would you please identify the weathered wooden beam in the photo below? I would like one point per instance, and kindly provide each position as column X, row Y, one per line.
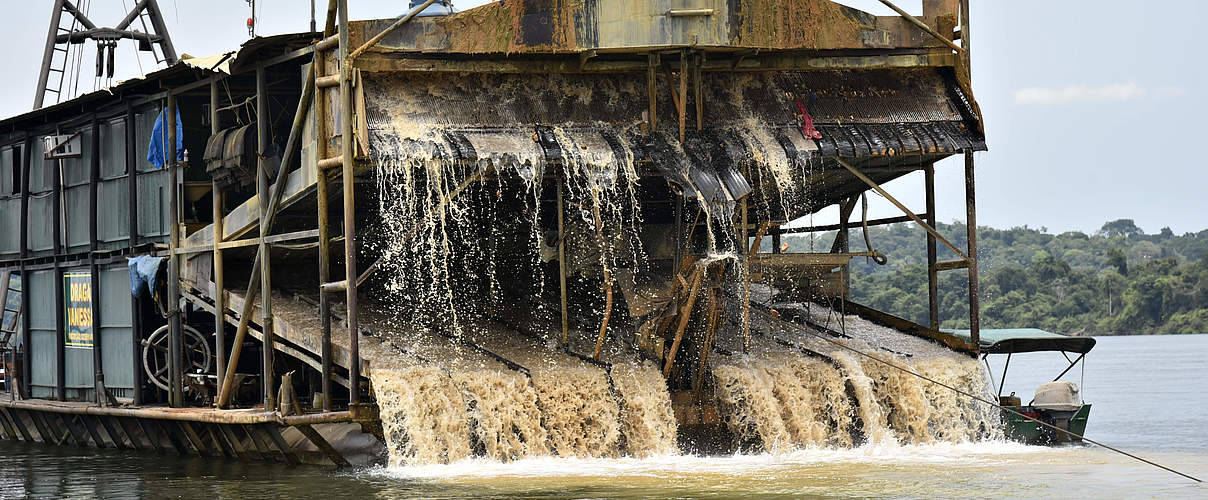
column 90, row 425
column 115, row 437
column 181, row 448
column 147, row 430
column 233, row 440
column 19, row 424
column 199, row 444
column 324, row 446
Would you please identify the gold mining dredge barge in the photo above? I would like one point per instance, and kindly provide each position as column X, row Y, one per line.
column 534, row 227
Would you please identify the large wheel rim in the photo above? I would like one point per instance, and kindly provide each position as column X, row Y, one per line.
column 196, row 355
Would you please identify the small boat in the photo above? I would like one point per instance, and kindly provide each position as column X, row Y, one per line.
column 1058, row 403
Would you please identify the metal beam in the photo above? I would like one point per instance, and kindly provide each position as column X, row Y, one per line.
column 933, row 294
column 901, row 207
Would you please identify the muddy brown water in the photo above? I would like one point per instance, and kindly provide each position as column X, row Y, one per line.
column 1142, row 389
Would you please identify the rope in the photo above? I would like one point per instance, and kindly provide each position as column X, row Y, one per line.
column 988, row 402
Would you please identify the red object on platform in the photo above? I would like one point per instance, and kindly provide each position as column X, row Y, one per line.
column 807, row 122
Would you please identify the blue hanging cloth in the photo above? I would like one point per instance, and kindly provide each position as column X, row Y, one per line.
column 155, row 151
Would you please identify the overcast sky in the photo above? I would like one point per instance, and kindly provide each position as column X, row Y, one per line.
column 1093, row 108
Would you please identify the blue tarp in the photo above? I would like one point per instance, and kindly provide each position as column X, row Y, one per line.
column 155, row 151
column 144, row 269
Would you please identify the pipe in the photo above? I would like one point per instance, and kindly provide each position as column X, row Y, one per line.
column 378, row 37
column 971, row 234
column 349, row 180
column 265, row 270
column 216, row 257
column 175, row 389
column 923, row 26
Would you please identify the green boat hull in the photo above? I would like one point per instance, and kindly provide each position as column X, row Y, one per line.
column 1031, row 432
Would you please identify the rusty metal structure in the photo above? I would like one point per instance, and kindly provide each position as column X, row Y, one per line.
column 285, row 130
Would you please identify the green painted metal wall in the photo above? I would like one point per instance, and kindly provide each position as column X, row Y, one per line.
column 76, row 197
column 117, row 345
column 113, row 191
column 10, row 201
column 40, row 290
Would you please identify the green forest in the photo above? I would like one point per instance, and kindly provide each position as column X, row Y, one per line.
column 1116, row 281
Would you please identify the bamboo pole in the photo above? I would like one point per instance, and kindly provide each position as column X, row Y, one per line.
column 348, row 178
column 323, row 134
column 216, row 256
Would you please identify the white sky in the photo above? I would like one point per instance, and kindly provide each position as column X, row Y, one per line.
column 1093, row 108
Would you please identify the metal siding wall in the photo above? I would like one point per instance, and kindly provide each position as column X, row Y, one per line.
column 41, row 205
column 41, row 307
column 113, row 207
column 75, row 195
column 6, row 172
column 116, row 327
column 152, row 182
column 10, row 221
column 153, row 204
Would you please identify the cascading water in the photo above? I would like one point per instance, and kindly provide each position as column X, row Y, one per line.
column 465, row 233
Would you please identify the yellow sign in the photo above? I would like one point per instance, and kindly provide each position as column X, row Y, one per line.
column 78, row 290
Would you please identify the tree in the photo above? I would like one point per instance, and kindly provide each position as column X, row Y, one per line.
column 1120, row 227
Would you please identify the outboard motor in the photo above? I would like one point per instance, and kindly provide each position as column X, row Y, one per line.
column 1057, row 403
column 441, row 8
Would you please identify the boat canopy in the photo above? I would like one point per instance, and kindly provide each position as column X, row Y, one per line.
column 1009, row 340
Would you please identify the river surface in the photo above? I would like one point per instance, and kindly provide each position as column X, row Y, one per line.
column 1147, row 395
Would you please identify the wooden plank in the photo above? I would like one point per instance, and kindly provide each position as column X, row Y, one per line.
column 146, row 431
column 9, row 431
column 220, row 440
column 16, row 419
column 801, row 259
column 162, row 425
column 44, row 434
column 91, row 425
column 951, row 265
column 275, row 436
column 323, row 445
column 244, row 218
column 233, row 440
column 199, row 444
column 115, row 436
column 253, row 447
column 265, row 450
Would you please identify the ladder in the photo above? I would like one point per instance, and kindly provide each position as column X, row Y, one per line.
column 10, row 307
column 60, row 66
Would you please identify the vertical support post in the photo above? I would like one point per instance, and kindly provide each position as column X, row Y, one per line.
column 700, row 98
column 48, row 55
column 26, row 334
column 262, row 191
column 746, row 280
column 94, row 176
column 971, row 227
column 323, row 136
column 683, row 93
column 136, row 311
column 349, row 180
column 60, row 320
column 970, row 193
column 562, row 267
column 652, row 64
column 218, row 265
column 933, row 287
column 175, row 389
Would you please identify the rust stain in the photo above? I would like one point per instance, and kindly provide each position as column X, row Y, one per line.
column 808, row 24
